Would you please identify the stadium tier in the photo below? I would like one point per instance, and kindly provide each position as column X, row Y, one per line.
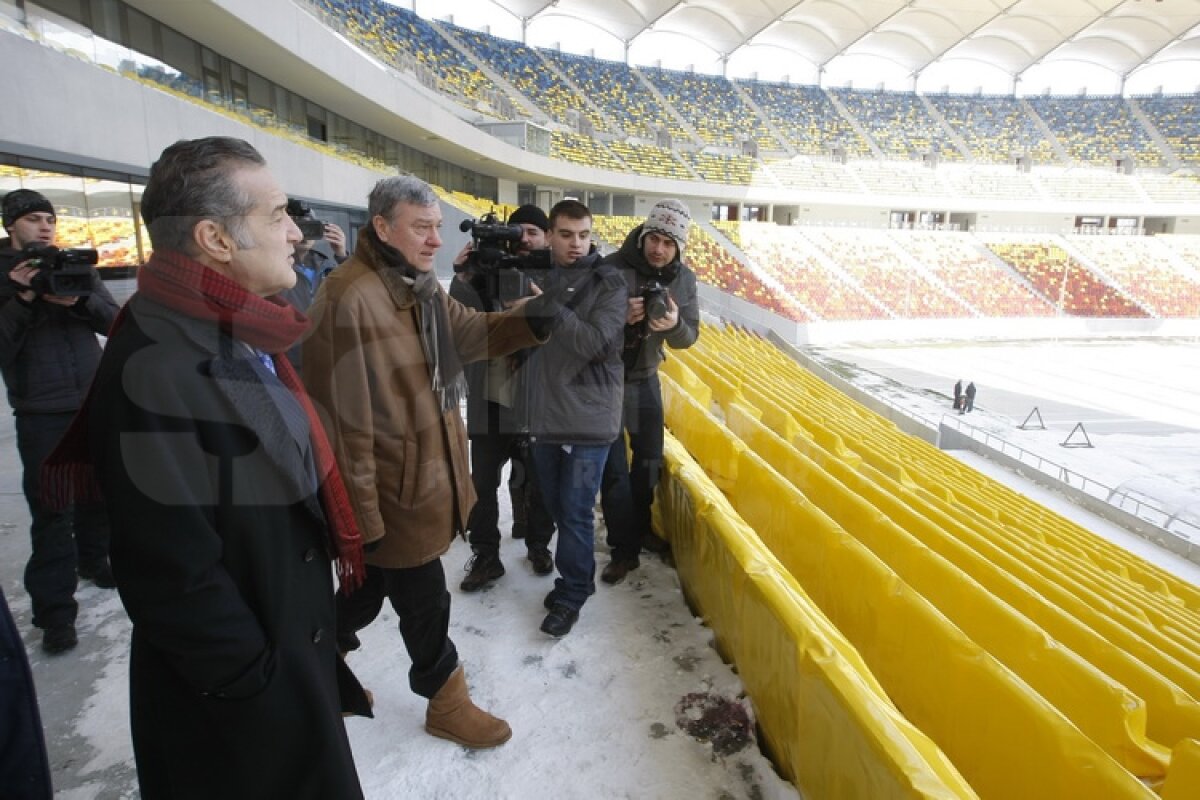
column 405, row 41
column 618, row 91
column 809, row 274
column 824, row 274
column 994, row 129
column 1175, row 118
column 982, row 281
column 584, row 150
column 814, row 282
column 900, row 124
column 1095, row 130
column 1067, row 645
column 704, row 110
column 807, row 118
column 711, row 107
column 1145, row 268
column 1066, row 282
column 533, row 76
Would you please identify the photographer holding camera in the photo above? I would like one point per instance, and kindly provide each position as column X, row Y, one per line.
column 314, row 257
column 497, row 408
column 662, row 309
column 48, row 355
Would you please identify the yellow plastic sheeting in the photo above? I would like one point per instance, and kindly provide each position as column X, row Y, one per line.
column 1146, row 615
column 1028, row 517
column 1006, row 508
column 1184, row 781
column 1004, row 737
column 1022, row 558
column 723, row 389
column 1172, row 713
column 704, row 437
column 828, row 723
column 1105, row 711
column 938, row 467
column 687, row 380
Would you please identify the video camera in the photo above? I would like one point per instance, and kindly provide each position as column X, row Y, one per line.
column 62, row 273
column 310, row 227
column 498, row 275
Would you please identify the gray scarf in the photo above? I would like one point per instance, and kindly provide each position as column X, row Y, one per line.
column 445, row 368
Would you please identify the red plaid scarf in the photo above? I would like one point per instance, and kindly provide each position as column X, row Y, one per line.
column 267, row 324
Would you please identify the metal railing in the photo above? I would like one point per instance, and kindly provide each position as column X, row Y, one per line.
column 1141, row 508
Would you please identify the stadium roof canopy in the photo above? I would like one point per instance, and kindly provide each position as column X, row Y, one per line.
column 906, row 39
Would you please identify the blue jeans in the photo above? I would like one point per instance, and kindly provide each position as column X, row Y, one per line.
column 627, row 491
column 569, row 477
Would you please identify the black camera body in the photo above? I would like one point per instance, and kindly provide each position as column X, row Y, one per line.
column 62, row 273
column 655, row 300
column 310, row 227
column 497, row 275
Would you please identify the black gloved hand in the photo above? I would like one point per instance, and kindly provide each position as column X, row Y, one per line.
column 543, row 310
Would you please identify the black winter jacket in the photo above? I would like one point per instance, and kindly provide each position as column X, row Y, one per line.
column 49, row 353
column 485, row 417
column 577, row 377
column 219, row 550
column 643, row 350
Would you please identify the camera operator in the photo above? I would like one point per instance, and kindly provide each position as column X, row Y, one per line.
column 315, row 256
column 497, row 405
column 48, row 355
column 662, row 309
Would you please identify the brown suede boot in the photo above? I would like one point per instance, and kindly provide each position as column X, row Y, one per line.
column 451, row 715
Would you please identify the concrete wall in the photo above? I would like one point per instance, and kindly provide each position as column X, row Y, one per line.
column 111, row 122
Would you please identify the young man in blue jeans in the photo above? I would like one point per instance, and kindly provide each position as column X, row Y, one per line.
column 576, row 405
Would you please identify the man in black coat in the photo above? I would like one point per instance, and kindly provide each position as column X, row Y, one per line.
column 48, row 354
column 662, row 311
column 225, row 508
column 498, row 424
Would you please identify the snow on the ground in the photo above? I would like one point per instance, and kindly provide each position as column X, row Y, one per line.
column 595, row 714
column 1135, row 398
column 601, row 712
column 604, row 712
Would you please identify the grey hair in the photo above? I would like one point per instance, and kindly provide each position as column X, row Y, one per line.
column 390, row 192
column 193, row 181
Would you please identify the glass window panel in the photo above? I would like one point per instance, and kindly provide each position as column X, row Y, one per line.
column 258, row 91
column 71, row 9
column 110, row 222
column 180, row 52
column 10, row 178
column 141, row 32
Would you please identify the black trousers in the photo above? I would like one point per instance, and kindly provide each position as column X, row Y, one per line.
column 489, row 453
column 60, row 540
column 627, row 489
column 420, row 599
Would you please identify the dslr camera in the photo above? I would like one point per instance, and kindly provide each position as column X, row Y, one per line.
column 655, row 300
column 310, row 227
column 63, row 273
column 496, row 274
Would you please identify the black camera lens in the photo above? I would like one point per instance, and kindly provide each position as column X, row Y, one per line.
column 654, row 301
